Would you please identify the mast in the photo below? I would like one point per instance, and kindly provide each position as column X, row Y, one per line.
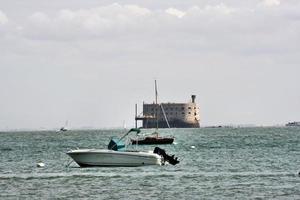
column 155, row 92
column 135, row 115
column 156, row 105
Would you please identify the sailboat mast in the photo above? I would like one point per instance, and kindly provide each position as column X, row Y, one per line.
column 135, row 115
column 155, row 92
column 156, row 107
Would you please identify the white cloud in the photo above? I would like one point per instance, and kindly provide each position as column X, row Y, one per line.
column 39, row 18
column 137, row 10
column 208, row 25
column 175, row 12
column 116, row 19
column 3, row 18
column 229, row 55
column 220, row 8
column 94, row 22
column 205, row 27
column 271, row 2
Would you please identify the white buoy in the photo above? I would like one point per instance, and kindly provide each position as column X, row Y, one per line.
column 193, row 147
column 40, row 164
column 175, row 143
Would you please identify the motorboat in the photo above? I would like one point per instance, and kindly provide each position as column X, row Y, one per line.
column 106, row 157
column 116, row 155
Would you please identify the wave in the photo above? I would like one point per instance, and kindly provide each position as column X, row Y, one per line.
column 6, row 149
column 187, row 175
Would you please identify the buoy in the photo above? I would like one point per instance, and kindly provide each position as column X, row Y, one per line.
column 175, row 143
column 193, row 147
column 40, row 164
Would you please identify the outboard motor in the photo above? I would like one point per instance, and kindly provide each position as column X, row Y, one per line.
column 169, row 159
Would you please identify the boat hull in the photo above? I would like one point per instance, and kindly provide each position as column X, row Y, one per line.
column 176, row 123
column 102, row 158
column 152, row 140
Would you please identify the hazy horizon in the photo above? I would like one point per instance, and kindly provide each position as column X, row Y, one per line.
column 90, row 62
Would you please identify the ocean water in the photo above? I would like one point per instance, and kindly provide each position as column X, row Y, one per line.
column 225, row 163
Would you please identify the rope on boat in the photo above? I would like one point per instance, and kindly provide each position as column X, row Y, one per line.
column 69, row 163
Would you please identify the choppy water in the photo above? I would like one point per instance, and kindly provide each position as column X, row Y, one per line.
column 244, row 163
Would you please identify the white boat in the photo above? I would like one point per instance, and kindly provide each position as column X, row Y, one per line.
column 106, row 157
column 117, row 155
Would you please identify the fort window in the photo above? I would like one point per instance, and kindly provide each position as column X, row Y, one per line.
column 189, row 108
column 182, row 108
column 182, row 113
column 195, row 113
column 189, row 112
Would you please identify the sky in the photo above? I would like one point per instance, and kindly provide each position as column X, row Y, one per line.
column 90, row 62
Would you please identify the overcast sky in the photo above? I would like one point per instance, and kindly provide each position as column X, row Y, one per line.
column 90, row 61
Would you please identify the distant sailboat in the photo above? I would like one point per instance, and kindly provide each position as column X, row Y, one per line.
column 154, row 138
column 64, row 128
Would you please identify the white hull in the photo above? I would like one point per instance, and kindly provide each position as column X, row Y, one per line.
column 103, row 157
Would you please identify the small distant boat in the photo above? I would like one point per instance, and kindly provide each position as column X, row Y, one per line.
column 117, row 156
column 64, row 128
column 40, row 164
column 293, row 124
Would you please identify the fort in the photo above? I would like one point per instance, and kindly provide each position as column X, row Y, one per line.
column 173, row 115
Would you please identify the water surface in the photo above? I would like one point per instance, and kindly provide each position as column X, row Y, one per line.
column 226, row 163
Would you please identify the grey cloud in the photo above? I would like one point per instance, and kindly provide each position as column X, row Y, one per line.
column 3, row 18
column 90, row 65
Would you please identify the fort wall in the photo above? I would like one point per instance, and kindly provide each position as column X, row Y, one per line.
column 179, row 115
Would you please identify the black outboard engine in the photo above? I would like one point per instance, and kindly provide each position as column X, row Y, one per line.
column 169, row 159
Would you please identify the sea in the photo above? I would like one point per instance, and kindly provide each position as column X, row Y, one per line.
column 215, row 163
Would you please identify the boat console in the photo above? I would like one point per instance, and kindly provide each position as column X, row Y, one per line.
column 116, row 145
